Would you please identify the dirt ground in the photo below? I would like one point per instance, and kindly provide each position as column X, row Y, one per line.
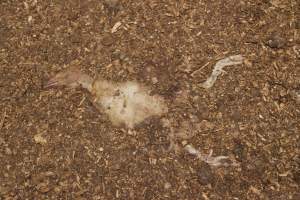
column 55, row 145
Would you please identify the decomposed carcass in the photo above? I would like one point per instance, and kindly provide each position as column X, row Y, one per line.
column 126, row 103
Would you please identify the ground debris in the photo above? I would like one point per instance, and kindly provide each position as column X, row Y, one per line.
column 43, row 187
column 111, row 3
column 209, row 159
column 276, row 42
column 116, row 27
column 218, row 69
column 2, row 120
column 38, row 138
column 205, row 174
column 296, row 95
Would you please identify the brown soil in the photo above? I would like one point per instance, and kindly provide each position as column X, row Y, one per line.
column 55, row 145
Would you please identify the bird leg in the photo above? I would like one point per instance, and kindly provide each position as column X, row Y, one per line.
column 209, row 159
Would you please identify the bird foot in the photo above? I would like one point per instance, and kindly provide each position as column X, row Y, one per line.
column 216, row 161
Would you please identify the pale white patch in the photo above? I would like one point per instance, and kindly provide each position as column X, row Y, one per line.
column 127, row 103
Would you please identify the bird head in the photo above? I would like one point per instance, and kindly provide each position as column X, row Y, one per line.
column 69, row 78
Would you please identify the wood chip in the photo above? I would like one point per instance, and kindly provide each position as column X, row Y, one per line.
column 2, row 120
column 38, row 138
column 116, row 27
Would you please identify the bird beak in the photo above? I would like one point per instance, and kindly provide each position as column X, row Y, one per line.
column 68, row 78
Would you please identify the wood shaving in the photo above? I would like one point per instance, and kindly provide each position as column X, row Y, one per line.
column 116, row 27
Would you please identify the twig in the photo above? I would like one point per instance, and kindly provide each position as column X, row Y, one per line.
column 3, row 119
column 200, row 69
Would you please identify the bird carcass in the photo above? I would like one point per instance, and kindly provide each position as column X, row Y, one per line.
column 126, row 103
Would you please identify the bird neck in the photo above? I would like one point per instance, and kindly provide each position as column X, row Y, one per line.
column 86, row 82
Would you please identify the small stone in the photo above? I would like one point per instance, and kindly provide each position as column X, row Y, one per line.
column 239, row 151
column 276, row 42
column 107, row 40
